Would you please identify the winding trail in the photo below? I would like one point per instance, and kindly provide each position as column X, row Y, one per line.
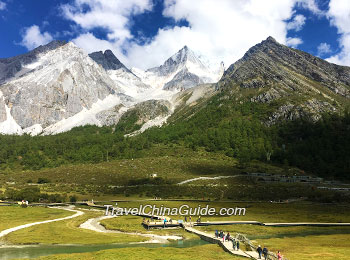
column 208, row 178
column 10, row 230
column 95, row 225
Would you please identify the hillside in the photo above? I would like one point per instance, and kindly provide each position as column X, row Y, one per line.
column 269, row 106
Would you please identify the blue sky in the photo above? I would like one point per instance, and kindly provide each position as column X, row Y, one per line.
column 143, row 33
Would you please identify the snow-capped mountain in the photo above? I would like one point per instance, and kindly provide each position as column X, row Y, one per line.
column 59, row 83
column 119, row 73
column 10, row 67
column 181, row 71
column 58, row 86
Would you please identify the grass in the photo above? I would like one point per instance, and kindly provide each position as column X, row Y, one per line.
column 68, row 232
column 206, row 252
column 133, row 224
column 177, row 164
column 12, row 216
column 263, row 211
column 326, row 247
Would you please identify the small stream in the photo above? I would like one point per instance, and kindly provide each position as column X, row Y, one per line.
column 30, row 252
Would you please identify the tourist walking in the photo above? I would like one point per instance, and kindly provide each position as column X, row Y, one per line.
column 164, row 222
column 228, row 236
column 265, row 252
column 216, row 233
column 237, row 244
column 234, row 244
column 259, row 251
column 279, row 256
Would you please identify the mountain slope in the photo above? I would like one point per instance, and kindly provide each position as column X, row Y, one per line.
column 119, row 73
column 16, row 66
column 181, row 71
column 292, row 82
column 63, row 81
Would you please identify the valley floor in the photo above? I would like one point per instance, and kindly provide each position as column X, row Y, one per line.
column 295, row 242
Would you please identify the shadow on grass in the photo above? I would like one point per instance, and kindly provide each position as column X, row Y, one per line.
column 208, row 169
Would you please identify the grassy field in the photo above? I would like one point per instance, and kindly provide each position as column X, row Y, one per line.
column 262, row 211
column 327, row 247
column 176, row 164
column 133, row 224
column 12, row 216
column 206, row 252
column 130, row 178
column 296, row 242
column 68, row 232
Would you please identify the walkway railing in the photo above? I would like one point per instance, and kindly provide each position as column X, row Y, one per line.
column 242, row 238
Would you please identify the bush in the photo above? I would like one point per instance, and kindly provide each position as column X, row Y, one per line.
column 73, row 199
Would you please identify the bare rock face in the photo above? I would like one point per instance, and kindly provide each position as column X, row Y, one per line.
column 3, row 116
column 310, row 109
column 297, row 83
column 183, row 80
column 181, row 71
column 9, row 67
column 269, row 96
column 146, row 111
column 61, row 83
column 107, row 60
column 270, row 63
column 111, row 116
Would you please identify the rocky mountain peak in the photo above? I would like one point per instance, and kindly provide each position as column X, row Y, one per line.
column 270, row 39
column 9, row 67
column 107, row 60
column 184, row 55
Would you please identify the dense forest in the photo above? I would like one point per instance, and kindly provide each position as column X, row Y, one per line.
column 322, row 147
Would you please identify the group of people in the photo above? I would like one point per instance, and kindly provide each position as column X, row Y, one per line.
column 264, row 252
column 227, row 237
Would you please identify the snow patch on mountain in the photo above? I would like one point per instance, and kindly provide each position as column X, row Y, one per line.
column 10, row 126
column 58, row 87
column 182, row 66
column 86, row 116
column 33, row 130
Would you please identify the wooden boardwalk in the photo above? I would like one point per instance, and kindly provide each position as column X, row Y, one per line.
column 226, row 245
column 156, row 224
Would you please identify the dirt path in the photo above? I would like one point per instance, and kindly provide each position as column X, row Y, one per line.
column 10, row 230
column 94, row 225
column 208, row 178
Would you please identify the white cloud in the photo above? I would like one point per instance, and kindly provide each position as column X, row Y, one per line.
column 111, row 15
column 2, row 5
column 339, row 15
column 225, row 35
column 32, row 37
column 323, row 48
column 90, row 44
column 294, row 42
column 222, row 30
column 312, row 6
column 297, row 23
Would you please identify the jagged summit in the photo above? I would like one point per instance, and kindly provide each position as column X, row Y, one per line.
column 107, row 60
column 270, row 58
column 118, row 72
column 9, row 67
column 60, row 82
column 299, row 82
column 270, row 39
column 182, row 70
